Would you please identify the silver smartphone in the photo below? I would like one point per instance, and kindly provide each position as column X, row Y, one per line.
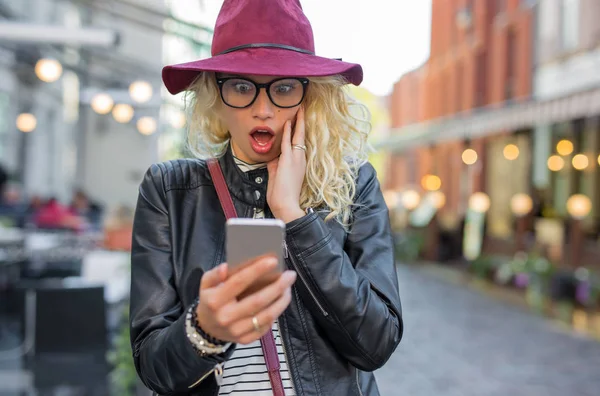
column 248, row 239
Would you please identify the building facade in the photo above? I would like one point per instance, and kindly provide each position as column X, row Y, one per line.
column 508, row 103
column 72, row 145
column 481, row 57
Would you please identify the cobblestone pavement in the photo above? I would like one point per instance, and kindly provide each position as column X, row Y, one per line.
column 460, row 342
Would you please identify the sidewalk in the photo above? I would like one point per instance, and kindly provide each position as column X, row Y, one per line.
column 461, row 342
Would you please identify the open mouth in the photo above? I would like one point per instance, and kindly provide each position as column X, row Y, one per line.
column 262, row 136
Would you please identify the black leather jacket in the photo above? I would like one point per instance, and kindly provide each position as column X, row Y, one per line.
column 344, row 320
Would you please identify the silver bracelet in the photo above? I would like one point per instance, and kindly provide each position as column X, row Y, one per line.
column 201, row 345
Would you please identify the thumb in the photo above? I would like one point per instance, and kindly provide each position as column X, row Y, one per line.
column 214, row 277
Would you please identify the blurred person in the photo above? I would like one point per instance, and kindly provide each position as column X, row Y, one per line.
column 83, row 206
column 292, row 151
column 53, row 215
column 12, row 207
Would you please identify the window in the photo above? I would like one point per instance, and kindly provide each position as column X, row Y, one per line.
column 481, row 80
column 458, row 106
column 570, row 24
column 510, row 66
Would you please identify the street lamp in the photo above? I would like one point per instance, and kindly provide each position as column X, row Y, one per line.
column 578, row 207
column 521, row 205
column 26, row 122
column 140, row 91
column 102, row 103
column 146, row 125
column 48, row 70
column 122, row 113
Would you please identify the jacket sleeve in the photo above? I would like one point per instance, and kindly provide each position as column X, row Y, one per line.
column 351, row 290
column 164, row 358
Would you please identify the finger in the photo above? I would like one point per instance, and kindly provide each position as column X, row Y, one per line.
column 214, row 277
column 241, row 280
column 299, row 131
column 265, row 319
column 286, row 141
column 258, row 301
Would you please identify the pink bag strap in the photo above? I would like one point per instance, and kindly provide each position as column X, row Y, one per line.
column 267, row 341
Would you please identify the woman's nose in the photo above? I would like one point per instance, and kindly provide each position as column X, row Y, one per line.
column 262, row 106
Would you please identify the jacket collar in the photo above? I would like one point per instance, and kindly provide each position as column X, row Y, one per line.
column 249, row 187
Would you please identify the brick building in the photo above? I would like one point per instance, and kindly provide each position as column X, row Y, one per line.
column 515, row 81
column 481, row 56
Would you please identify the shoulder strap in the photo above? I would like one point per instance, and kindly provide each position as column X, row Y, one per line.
column 221, row 186
column 267, row 341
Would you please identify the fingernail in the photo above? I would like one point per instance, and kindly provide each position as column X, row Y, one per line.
column 271, row 261
column 289, row 276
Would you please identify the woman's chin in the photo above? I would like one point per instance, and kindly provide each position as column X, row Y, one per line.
column 253, row 157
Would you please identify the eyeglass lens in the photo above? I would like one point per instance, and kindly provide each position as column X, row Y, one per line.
column 238, row 92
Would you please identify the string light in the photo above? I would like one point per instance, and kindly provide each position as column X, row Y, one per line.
column 140, row 91
column 102, row 103
column 511, row 152
column 564, row 147
column 122, row 113
column 26, row 122
column 146, row 125
column 580, row 161
column 479, row 202
column 555, row 163
column 431, row 182
column 48, row 70
column 469, row 156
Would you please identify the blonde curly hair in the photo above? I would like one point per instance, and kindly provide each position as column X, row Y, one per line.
column 337, row 127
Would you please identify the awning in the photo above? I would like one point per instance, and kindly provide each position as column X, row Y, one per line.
column 490, row 120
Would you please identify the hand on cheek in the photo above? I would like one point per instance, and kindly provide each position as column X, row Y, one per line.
column 286, row 173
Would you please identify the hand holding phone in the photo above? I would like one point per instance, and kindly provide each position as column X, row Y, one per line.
column 233, row 294
column 249, row 239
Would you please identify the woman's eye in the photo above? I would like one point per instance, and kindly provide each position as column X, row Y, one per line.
column 242, row 87
column 284, row 88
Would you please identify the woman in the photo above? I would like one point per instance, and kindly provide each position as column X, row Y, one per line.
column 278, row 120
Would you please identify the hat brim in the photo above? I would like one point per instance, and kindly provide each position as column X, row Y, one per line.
column 261, row 62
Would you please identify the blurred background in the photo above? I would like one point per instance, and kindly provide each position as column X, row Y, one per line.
column 486, row 138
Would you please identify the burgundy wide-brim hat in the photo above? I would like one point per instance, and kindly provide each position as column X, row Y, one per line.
column 261, row 37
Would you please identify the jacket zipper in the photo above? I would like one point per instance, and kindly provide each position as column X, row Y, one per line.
column 218, row 370
column 303, row 278
column 286, row 357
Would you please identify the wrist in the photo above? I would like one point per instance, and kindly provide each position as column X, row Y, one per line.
column 200, row 344
column 199, row 329
column 291, row 214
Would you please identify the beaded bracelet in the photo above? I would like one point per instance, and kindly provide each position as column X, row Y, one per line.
column 199, row 329
column 201, row 345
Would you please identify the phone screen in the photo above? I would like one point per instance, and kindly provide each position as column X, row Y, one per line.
column 248, row 239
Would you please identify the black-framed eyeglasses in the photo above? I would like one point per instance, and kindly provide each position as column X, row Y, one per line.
column 241, row 92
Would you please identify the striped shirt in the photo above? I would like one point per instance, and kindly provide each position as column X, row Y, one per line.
column 246, row 371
